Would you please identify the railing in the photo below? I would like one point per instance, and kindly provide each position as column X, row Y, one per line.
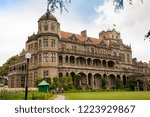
column 90, row 54
column 17, row 72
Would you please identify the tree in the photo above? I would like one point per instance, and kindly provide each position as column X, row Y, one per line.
column 104, row 83
column 56, row 81
column 118, row 83
column 119, row 4
column 66, row 82
column 131, row 84
column 56, row 4
column 78, row 78
column 5, row 68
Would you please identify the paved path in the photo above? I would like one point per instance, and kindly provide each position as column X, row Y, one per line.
column 59, row 97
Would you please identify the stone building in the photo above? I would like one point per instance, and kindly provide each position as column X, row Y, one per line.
column 58, row 53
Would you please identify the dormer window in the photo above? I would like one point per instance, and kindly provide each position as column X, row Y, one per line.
column 46, row 28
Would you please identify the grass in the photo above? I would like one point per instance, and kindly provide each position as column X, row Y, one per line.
column 6, row 94
column 116, row 95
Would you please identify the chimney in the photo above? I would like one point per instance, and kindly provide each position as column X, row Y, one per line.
column 84, row 33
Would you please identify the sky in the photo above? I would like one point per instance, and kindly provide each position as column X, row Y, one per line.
column 18, row 20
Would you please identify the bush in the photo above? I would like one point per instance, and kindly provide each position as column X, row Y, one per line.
column 104, row 83
column 131, row 84
column 118, row 83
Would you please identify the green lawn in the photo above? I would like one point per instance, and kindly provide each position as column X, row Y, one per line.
column 116, row 95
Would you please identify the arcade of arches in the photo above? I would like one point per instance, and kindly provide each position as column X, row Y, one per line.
column 88, row 61
column 94, row 80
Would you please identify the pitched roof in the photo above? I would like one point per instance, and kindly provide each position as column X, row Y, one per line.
column 96, row 41
column 43, row 83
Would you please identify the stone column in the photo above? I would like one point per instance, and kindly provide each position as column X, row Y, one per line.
column 64, row 60
column 93, row 85
column 87, row 81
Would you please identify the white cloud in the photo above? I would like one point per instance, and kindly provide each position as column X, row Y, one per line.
column 132, row 22
column 16, row 23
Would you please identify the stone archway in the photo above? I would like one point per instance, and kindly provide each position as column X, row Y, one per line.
column 60, row 75
column 97, row 81
column 104, row 63
column 111, row 80
column 89, row 61
column 67, row 59
column 124, row 80
column 60, row 60
column 89, row 79
column 119, row 77
column 83, row 79
column 72, row 60
column 96, row 63
column 111, row 64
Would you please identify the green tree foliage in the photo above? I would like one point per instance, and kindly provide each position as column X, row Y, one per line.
column 53, row 85
column 56, row 81
column 119, row 4
column 104, row 83
column 78, row 78
column 131, row 84
column 66, row 82
column 118, row 83
column 58, row 4
column 4, row 69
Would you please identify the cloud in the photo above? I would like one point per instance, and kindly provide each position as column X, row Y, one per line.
column 132, row 22
column 17, row 21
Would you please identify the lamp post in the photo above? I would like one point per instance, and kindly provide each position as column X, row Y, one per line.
column 28, row 56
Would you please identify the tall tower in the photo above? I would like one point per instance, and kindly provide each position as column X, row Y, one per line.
column 44, row 47
column 48, row 36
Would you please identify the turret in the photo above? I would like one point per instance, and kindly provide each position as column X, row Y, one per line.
column 48, row 23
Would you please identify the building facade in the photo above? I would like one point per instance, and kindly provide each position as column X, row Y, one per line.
column 56, row 53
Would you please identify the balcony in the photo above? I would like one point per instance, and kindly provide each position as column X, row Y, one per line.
column 88, row 54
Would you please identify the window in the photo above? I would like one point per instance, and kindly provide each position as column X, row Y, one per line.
column 52, row 42
column 40, row 43
column 35, row 46
column 45, row 42
column 22, row 82
column 92, row 50
column 122, row 57
column 87, row 49
column 63, row 46
column 46, row 28
column 128, row 58
column 74, row 48
column 35, row 59
column 40, row 58
column 45, row 73
column 45, row 57
column 53, row 57
column 31, row 46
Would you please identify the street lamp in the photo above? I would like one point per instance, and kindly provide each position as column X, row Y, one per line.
column 28, row 56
